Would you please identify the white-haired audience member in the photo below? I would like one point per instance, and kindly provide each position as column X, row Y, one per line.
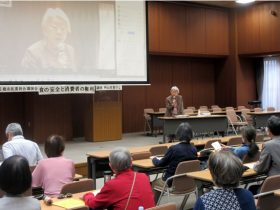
column 18, row 145
column 128, row 190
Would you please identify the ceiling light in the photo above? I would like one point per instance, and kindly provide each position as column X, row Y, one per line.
column 244, row 1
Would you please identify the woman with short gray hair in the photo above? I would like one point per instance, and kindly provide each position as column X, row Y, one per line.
column 127, row 191
column 120, row 159
column 226, row 170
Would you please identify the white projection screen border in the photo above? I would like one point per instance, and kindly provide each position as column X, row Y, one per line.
column 74, row 42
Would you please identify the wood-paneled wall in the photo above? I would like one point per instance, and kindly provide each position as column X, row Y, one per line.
column 194, row 77
column 177, row 34
column 48, row 115
column 40, row 116
column 188, row 30
column 259, row 29
column 12, row 109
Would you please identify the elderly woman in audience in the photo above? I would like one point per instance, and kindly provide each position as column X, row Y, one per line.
column 15, row 180
column 176, row 154
column 55, row 171
column 249, row 146
column 226, row 170
column 128, row 190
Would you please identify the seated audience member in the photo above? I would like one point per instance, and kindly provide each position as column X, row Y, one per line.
column 55, row 171
column 269, row 161
column 18, row 145
column 226, row 170
column 176, row 154
column 15, row 180
column 249, row 146
column 128, row 190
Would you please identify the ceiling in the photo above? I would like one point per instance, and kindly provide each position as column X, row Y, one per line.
column 227, row 4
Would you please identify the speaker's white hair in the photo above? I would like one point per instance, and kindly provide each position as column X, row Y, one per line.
column 56, row 12
column 175, row 88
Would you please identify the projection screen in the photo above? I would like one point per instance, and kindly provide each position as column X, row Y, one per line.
column 73, row 42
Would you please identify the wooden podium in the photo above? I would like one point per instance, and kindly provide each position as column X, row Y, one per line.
column 104, row 117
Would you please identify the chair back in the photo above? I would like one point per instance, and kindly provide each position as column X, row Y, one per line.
column 191, row 107
column 214, row 106
column 216, row 109
column 185, row 184
column 203, row 108
column 140, row 155
column 162, row 109
column 231, row 115
column 255, row 158
column 229, row 107
column 246, row 117
column 234, row 141
column 208, row 144
column 158, row 150
column 258, row 109
column 260, row 138
column 241, row 107
column 167, row 206
column 32, row 168
column 188, row 111
column 270, row 201
column 77, row 186
column 270, row 109
column 205, row 113
column 147, row 110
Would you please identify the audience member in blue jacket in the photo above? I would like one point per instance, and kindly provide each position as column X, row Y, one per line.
column 176, row 154
column 249, row 146
column 226, row 170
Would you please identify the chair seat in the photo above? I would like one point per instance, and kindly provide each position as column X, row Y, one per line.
column 176, row 192
column 239, row 123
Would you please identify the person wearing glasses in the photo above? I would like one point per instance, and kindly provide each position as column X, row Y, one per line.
column 52, row 53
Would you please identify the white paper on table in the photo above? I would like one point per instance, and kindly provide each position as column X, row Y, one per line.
column 250, row 165
column 158, row 157
column 95, row 192
column 216, row 145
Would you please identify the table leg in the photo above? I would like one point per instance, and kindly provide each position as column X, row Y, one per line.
column 91, row 163
column 199, row 186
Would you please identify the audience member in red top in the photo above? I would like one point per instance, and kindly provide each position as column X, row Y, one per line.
column 128, row 190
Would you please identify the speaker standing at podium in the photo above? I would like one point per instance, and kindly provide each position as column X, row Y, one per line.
column 174, row 105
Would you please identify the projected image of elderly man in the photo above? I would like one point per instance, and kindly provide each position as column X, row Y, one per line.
column 52, row 53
